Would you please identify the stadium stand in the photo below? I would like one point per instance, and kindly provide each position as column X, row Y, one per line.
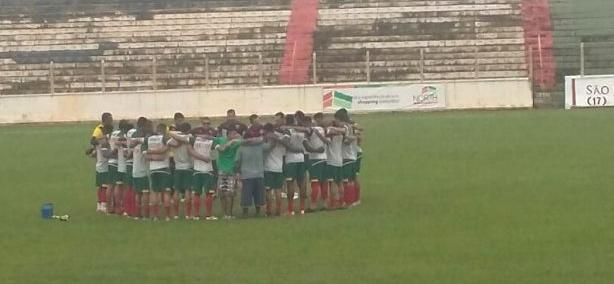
column 187, row 37
column 452, row 34
column 182, row 35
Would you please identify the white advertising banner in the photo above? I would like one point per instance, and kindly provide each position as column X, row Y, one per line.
column 589, row 91
column 385, row 97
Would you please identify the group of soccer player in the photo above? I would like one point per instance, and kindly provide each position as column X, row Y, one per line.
column 148, row 171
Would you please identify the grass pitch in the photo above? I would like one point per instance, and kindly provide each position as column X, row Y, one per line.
column 448, row 197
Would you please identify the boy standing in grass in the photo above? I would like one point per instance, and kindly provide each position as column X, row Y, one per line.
column 227, row 149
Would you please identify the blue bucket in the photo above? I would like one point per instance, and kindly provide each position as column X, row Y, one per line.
column 47, row 210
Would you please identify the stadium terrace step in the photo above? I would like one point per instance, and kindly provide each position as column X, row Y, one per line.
column 231, row 35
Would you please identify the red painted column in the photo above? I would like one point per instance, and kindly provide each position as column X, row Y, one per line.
column 539, row 42
column 298, row 50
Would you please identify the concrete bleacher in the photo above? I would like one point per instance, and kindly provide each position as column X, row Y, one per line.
column 458, row 40
column 184, row 37
column 452, row 34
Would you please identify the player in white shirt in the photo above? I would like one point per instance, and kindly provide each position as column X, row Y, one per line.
column 156, row 149
column 140, row 168
column 317, row 162
column 182, row 176
column 129, row 195
column 334, row 162
column 274, row 152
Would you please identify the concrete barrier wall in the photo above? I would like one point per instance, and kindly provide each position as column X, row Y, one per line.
column 503, row 93
column 159, row 104
column 494, row 93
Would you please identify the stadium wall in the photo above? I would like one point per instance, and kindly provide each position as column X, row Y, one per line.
column 460, row 94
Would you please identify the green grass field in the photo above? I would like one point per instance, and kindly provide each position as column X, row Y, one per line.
column 448, row 197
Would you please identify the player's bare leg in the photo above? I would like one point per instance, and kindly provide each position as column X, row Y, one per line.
column 302, row 190
column 232, row 203
column 187, row 204
column 145, row 203
column 324, row 189
column 166, row 199
column 154, row 205
column 277, row 201
column 269, row 201
column 209, row 206
column 174, row 202
column 138, row 199
column 290, row 185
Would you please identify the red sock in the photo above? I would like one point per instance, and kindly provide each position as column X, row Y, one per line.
column 209, row 204
column 103, row 194
column 348, row 193
column 188, row 207
column 290, row 204
column 99, row 194
column 324, row 191
column 196, row 210
column 315, row 191
column 357, row 189
column 302, row 202
column 175, row 207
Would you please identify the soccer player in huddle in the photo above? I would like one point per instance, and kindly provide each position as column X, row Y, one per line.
column 349, row 155
column 182, row 176
column 140, row 167
column 317, row 161
column 231, row 124
column 294, row 163
column 156, row 148
column 295, row 159
column 275, row 151
column 129, row 194
column 334, row 161
column 117, row 168
column 203, row 178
